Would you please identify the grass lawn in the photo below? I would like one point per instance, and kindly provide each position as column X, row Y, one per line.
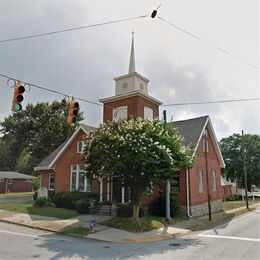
column 16, row 194
column 79, row 231
column 227, row 205
column 28, row 208
column 147, row 223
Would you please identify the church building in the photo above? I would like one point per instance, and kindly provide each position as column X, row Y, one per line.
column 63, row 169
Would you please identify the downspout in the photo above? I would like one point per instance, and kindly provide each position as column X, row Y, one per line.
column 187, row 193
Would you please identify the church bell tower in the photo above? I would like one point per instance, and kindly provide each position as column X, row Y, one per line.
column 131, row 96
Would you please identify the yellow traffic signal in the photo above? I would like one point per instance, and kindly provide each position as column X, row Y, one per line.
column 18, row 96
column 73, row 111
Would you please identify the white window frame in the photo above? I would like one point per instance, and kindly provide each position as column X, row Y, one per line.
column 87, row 186
column 82, row 146
column 214, row 182
column 148, row 113
column 205, row 143
column 50, row 181
column 200, row 181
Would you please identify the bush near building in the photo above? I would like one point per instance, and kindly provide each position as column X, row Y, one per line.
column 68, row 199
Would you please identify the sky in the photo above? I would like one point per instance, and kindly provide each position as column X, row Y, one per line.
column 180, row 68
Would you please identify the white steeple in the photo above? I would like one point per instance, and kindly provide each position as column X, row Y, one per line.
column 132, row 81
column 132, row 57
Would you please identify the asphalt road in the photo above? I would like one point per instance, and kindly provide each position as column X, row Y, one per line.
column 238, row 239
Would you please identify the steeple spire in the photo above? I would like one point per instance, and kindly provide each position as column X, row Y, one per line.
column 132, row 56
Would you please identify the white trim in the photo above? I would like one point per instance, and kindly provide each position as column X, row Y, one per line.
column 52, row 173
column 123, row 194
column 62, row 150
column 214, row 140
column 131, row 94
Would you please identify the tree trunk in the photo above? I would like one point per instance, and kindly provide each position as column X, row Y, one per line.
column 136, row 210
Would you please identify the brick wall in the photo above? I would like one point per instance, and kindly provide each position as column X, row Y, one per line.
column 18, row 185
column 213, row 163
column 227, row 192
column 135, row 106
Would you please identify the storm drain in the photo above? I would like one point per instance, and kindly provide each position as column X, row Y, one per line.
column 174, row 244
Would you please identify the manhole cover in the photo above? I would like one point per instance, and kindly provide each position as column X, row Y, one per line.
column 174, row 244
column 36, row 256
column 106, row 246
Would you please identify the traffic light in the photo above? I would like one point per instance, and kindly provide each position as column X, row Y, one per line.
column 18, row 96
column 73, row 111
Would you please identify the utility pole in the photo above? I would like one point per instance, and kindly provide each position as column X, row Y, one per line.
column 207, row 172
column 168, row 186
column 245, row 172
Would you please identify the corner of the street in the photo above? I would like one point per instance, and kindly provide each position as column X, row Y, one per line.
column 109, row 234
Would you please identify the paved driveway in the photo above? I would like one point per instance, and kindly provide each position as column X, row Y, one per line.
column 16, row 199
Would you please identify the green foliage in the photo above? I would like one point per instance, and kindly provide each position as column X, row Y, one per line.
column 83, row 206
column 158, row 206
column 40, row 202
column 126, row 211
column 32, row 134
column 138, row 152
column 36, row 184
column 67, row 199
column 231, row 148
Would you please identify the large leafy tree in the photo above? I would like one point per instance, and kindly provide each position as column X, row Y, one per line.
column 32, row 134
column 231, row 148
column 138, row 152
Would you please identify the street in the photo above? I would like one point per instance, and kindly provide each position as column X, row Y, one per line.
column 238, row 239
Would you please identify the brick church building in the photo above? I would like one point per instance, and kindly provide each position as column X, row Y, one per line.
column 63, row 169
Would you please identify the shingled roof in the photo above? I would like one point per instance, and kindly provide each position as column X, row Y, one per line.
column 14, row 175
column 190, row 129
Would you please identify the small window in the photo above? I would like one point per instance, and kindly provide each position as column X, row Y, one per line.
column 205, row 145
column 10, row 181
column 80, row 146
column 51, row 181
column 200, row 181
column 214, row 183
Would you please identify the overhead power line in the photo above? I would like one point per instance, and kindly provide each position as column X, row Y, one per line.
column 215, row 47
column 212, row 102
column 103, row 105
column 71, row 29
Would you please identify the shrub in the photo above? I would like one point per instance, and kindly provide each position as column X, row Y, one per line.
column 51, row 195
column 237, row 197
column 83, row 206
column 158, row 207
column 67, row 199
column 126, row 211
column 40, row 202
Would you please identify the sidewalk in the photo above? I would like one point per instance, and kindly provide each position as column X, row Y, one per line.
column 106, row 233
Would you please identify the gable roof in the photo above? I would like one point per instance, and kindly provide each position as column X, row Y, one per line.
column 192, row 130
column 14, row 175
column 50, row 161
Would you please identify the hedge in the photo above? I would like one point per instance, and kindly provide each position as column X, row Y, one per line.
column 158, row 206
column 126, row 211
column 67, row 199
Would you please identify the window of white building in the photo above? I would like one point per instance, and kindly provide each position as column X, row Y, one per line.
column 78, row 181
